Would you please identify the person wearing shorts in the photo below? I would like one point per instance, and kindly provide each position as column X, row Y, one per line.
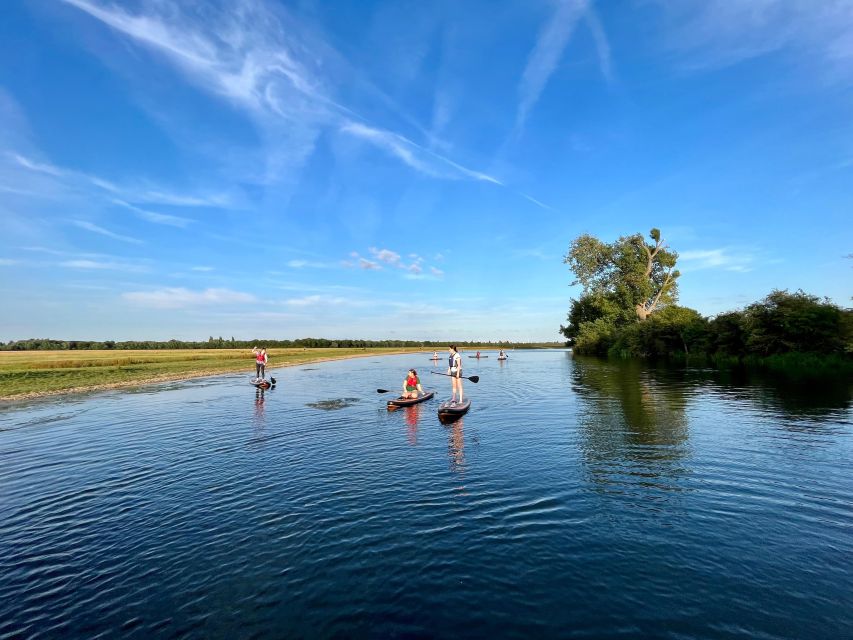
column 412, row 385
column 454, row 370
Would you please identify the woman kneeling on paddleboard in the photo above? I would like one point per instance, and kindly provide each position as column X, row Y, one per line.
column 260, row 362
column 412, row 385
column 454, row 370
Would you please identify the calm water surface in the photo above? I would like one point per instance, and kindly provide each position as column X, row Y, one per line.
column 577, row 498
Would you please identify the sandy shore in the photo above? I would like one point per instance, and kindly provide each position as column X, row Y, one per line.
column 30, row 395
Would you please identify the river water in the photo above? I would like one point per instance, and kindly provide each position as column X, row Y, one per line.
column 577, row 498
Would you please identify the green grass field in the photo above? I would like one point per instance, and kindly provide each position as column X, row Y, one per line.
column 24, row 373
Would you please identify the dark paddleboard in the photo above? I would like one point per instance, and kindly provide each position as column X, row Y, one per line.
column 501, row 358
column 478, row 357
column 408, row 402
column 264, row 384
column 449, row 413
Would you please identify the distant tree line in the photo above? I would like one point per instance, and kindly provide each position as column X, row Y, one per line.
column 628, row 309
column 51, row 344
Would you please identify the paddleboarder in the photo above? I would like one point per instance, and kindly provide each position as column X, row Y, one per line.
column 261, row 360
column 454, row 370
column 412, row 385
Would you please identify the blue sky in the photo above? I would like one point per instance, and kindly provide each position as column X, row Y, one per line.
column 409, row 169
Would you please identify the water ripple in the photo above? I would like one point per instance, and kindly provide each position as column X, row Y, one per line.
column 609, row 501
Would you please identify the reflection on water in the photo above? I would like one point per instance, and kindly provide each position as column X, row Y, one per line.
column 774, row 392
column 413, row 414
column 635, row 429
column 456, row 445
column 610, row 500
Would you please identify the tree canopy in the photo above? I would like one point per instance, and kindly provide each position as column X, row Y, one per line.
column 630, row 274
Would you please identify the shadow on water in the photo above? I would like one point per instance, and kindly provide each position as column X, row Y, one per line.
column 334, row 404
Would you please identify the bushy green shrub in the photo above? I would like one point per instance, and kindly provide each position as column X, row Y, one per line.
column 672, row 332
column 595, row 338
column 794, row 322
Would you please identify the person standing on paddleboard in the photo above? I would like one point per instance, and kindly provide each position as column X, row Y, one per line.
column 260, row 362
column 412, row 385
column 454, row 370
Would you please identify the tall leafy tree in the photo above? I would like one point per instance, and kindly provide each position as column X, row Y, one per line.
column 638, row 276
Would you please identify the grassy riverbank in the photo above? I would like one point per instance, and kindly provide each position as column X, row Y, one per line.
column 35, row 373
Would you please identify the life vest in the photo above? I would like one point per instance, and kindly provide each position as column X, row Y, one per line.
column 412, row 382
column 452, row 361
column 261, row 358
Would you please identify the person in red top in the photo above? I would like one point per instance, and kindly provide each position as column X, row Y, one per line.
column 260, row 362
column 412, row 385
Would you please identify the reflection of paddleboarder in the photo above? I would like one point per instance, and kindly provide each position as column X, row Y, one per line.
column 259, row 405
column 456, row 447
column 412, row 424
column 261, row 360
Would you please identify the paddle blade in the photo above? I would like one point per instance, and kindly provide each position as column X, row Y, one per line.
column 382, row 390
column 474, row 379
column 272, row 379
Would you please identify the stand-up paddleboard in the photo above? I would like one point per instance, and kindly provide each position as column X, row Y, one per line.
column 478, row 357
column 408, row 402
column 504, row 358
column 263, row 384
column 448, row 412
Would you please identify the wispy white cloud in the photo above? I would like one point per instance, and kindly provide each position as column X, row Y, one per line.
column 154, row 196
column 386, row 255
column 308, row 264
column 285, row 77
column 156, row 218
column 436, row 272
column 543, row 60
column 718, row 33
column 538, row 254
column 202, row 269
column 8, row 262
column 417, row 157
column 538, row 203
column 100, row 265
column 324, row 300
column 727, row 259
column 602, row 45
column 121, row 194
column 368, row 264
column 179, row 297
column 263, row 61
column 413, row 269
column 88, row 226
column 39, row 167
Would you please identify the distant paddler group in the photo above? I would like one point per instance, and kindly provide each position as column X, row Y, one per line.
column 413, row 392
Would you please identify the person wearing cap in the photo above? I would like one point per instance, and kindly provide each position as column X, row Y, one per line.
column 412, row 385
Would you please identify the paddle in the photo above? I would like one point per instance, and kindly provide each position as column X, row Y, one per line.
column 474, row 379
column 384, row 390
